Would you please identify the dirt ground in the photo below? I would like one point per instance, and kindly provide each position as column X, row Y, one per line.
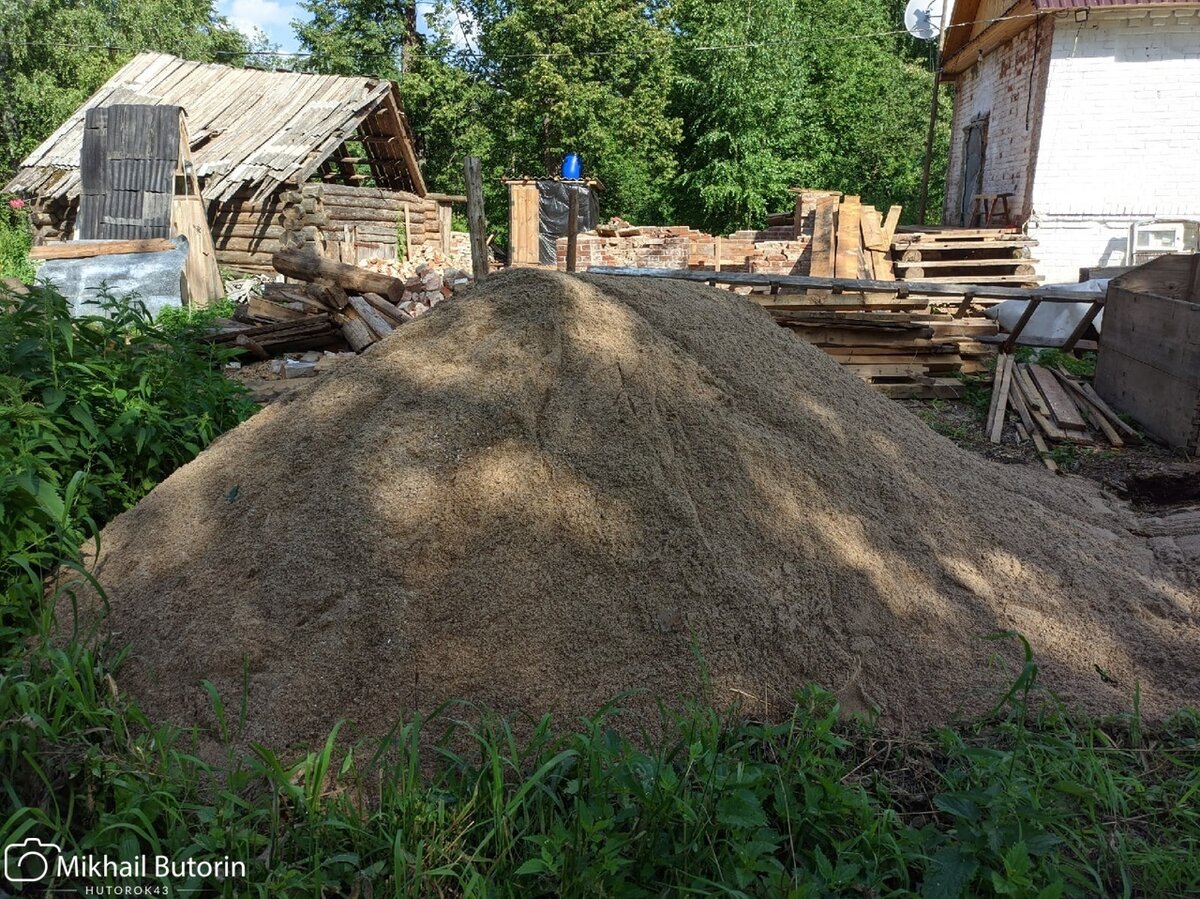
column 963, row 422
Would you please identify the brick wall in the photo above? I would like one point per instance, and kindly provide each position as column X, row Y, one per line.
column 770, row 251
column 652, row 248
column 1121, row 134
column 1006, row 90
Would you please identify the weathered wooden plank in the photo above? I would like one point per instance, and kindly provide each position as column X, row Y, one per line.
column 1065, row 412
column 476, row 219
column 375, row 321
column 872, row 230
column 1005, row 385
column 824, row 242
column 80, row 250
column 849, row 239
column 904, row 288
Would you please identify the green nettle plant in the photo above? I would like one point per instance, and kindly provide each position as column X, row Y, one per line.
column 94, row 411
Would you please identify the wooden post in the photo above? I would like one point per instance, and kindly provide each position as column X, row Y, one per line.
column 933, row 110
column 476, row 218
column 572, row 229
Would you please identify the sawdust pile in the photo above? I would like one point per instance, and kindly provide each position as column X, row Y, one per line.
column 554, row 489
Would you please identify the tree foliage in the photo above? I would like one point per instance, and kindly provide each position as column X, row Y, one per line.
column 781, row 93
column 55, row 54
column 702, row 112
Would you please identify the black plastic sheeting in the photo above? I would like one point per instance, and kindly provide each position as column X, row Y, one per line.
column 554, row 211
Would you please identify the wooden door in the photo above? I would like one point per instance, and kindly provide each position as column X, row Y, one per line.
column 523, row 223
column 974, row 145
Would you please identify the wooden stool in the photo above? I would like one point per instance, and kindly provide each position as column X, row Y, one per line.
column 992, row 205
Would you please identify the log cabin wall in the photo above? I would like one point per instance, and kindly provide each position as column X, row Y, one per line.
column 349, row 224
column 364, row 222
column 247, row 232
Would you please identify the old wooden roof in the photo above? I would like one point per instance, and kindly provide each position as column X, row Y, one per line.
column 250, row 130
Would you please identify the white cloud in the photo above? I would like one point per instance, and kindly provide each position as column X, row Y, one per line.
column 463, row 31
column 269, row 16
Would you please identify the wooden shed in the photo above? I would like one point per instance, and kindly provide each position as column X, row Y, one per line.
column 1149, row 360
column 537, row 216
column 138, row 182
column 285, row 160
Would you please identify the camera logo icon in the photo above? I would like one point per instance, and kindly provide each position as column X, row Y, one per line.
column 29, row 860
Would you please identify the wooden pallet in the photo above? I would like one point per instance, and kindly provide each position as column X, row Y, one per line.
column 988, row 256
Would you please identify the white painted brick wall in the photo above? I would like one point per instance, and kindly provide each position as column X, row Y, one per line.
column 999, row 89
column 1120, row 135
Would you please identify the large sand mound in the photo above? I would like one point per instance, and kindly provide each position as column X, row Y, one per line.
column 557, row 489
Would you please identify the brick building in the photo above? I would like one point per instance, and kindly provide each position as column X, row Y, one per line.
column 1088, row 113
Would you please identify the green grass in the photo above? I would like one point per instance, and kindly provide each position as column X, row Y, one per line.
column 1032, row 800
column 1020, row 803
column 176, row 320
column 1082, row 366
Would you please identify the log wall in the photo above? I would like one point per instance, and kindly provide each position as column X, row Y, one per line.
column 359, row 223
column 349, row 224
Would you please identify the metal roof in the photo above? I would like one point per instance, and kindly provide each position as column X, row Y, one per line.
column 249, row 128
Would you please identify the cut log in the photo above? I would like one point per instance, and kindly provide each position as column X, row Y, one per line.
column 374, row 320
column 251, row 346
column 393, row 314
column 357, row 334
column 310, row 267
column 262, row 308
column 80, row 250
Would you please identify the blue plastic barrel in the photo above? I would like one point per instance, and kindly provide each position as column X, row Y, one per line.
column 572, row 167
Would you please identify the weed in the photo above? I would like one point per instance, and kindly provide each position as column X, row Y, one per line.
column 16, row 237
column 977, row 392
column 1065, row 456
column 94, row 411
column 179, row 320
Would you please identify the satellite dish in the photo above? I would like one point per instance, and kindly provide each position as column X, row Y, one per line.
column 923, row 19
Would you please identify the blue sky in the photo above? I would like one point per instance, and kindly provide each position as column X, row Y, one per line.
column 274, row 17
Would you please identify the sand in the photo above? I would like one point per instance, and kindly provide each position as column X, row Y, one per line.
column 556, row 489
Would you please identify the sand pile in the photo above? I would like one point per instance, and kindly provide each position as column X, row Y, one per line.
column 546, row 492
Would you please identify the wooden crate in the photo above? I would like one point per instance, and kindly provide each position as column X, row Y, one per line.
column 1149, row 360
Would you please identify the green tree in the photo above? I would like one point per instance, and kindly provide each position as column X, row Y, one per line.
column 55, row 53
column 740, row 89
column 535, row 80
column 447, row 106
column 783, row 93
column 358, row 37
column 589, row 76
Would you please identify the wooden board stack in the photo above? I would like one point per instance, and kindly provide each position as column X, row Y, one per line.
column 851, row 240
column 903, row 355
column 1051, row 405
column 965, row 255
column 335, row 304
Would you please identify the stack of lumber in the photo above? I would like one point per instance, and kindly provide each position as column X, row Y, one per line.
column 334, row 304
column 903, row 355
column 1052, row 406
column 965, row 256
column 851, row 240
column 262, row 341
